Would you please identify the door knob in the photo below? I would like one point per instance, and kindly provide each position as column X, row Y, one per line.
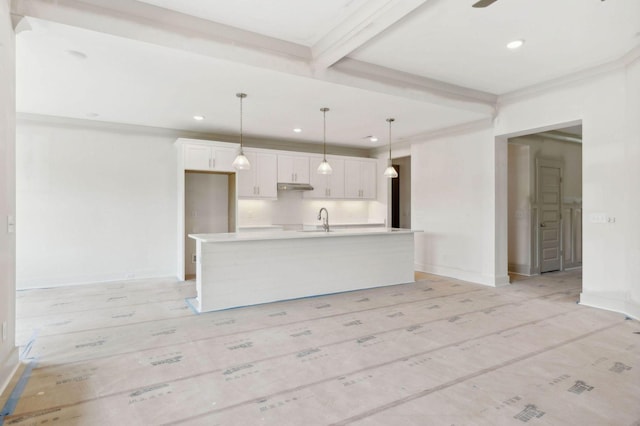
column 543, row 225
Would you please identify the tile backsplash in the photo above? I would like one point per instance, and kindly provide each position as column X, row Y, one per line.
column 292, row 209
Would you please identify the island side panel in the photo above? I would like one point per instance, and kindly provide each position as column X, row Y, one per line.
column 242, row 273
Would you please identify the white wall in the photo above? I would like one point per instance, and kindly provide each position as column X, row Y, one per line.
column 453, row 201
column 609, row 107
column 8, row 351
column 93, row 204
column 519, row 186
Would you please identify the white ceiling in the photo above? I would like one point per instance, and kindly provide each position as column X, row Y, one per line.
column 431, row 64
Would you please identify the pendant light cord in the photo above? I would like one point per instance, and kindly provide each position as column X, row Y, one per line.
column 324, row 133
column 390, row 120
column 241, row 96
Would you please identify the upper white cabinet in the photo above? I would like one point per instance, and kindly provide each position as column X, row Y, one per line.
column 360, row 179
column 217, row 156
column 326, row 186
column 293, row 168
column 261, row 180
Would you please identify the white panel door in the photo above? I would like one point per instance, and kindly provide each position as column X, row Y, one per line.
column 549, row 193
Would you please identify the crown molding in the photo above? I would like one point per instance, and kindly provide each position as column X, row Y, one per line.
column 254, row 142
column 152, row 24
column 584, row 75
column 426, row 137
column 377, row 78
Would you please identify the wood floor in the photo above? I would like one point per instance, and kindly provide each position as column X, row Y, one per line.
column 434, row 352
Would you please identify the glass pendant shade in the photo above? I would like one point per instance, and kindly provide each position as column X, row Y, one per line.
column 324, row 168
column 390, row 172
column 241, row 162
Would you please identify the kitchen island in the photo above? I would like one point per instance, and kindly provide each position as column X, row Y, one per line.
column 240, row 269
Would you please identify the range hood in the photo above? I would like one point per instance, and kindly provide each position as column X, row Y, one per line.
column 285, row 186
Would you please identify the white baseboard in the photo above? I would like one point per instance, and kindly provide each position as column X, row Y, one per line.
column 8, row 368
column 71, row 281
column 612, row 301
column 473, row 277
column 520, row 269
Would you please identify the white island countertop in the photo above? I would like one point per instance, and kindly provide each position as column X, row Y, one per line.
column 291, row 235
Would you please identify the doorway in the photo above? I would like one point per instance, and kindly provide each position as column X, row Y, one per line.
column 544, row 201
column 401, row 194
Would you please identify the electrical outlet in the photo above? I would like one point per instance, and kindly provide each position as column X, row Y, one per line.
column 4, row 331
column 194, row 258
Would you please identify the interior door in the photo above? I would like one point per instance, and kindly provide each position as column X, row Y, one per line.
column 549, row 196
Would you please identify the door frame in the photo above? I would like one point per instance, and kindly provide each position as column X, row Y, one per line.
column 536, row 234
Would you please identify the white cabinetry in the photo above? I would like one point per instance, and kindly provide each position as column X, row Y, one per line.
column 209, row 157
column 293, row 168
column 260, row 181
column 360, row 179
column 326, row 186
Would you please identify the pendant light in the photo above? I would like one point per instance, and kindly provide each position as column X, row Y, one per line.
column 241, row 162
column 324, row 168
column 390, row 172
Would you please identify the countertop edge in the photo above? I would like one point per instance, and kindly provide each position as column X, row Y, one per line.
column 293, row 235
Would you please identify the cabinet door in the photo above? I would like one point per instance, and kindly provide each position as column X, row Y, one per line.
column 301, row 169
column 285, row 168
column 223, row 159
column 267, row 175
column 247, row 178
column 197, row 157
column 293, row 169
column 368, row 179
column 352, row 179
column 335, row 181
column 319, row 182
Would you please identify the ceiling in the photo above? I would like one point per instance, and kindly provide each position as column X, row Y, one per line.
column 431, row 64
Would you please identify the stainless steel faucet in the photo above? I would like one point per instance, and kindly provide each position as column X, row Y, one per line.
column 325, row 220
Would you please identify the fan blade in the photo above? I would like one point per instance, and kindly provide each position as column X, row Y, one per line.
column 484, row 3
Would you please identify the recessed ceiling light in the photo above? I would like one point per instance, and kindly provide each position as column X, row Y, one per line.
column 297, row 130
column 198, row 117
column 515, row 44
column 77, row 54
column 373, row 139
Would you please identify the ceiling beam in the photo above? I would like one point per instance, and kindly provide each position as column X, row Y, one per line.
column 151, row 24
column 380, row 79
column 372, row 19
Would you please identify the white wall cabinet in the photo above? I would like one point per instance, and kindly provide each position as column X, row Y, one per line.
column 261, row 180
column 360, row 179
column 326, row 186
column 293, row 168
column 206, row 157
